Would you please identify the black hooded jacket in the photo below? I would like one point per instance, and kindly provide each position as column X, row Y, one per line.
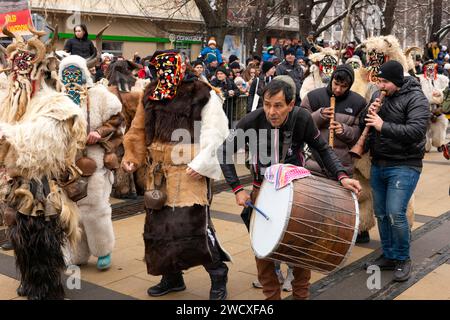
column 81, row 47
column 402, row 137
column 347, row 110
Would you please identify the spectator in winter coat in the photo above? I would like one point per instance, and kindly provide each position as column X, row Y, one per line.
column 80, row 45
column 291, row 68
column 212, row 49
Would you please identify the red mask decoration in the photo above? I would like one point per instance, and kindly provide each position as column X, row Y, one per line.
column 168, row 69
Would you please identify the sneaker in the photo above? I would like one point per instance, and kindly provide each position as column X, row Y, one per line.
column 169, row 283
column 382, row 262
column 287, row 286
column 363, row 237
column 402, row 270
column 103, row 263
column 256, row 284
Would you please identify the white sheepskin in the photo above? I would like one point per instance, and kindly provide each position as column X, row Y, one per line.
column 313, row 81
column 95, row 210
column 214, row 131
column 428, row 86
column 42, row 138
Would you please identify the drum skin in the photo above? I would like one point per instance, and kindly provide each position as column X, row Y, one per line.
column 321, row 228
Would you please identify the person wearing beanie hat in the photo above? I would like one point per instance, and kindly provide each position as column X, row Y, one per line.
column 212, row 48
column 211, row 65
column 257, row 86
column 234, row 65
column 290, row 51
column 210, row 57
column 223, row 70
column 290, row 67
column 344, row 118
column 278, row 116
column 269, row 55
column 224, row 83
column 232, row 59
column 396, row 141
column 267, row 66
column 393, row 72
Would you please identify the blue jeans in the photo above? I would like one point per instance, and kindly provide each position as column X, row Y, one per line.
column 392, row 187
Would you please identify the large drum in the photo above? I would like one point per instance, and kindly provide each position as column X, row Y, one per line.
column 313, row 224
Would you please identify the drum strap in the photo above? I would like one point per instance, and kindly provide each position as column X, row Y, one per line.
column 288, row 134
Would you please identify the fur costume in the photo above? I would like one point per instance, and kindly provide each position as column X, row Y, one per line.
column 95, row 210
column 122, row 84
column 169, row 248
column 355, row 62
column 42, row 132
column 433, row 86
column 319, row 74
column 378, row 50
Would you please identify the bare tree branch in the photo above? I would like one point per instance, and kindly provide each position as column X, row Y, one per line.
column 338, row 18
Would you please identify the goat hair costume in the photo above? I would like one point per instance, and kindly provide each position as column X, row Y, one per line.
column 42, row 131
column 324, row 63
column 433, row 86
column 102, row 110
column 121, row 83
column 164, row 131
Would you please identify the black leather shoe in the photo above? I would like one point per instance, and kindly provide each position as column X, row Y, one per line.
column 382, row 263
column 402, row 270
column 7, row 246
column 218, row 288
column 169, row 283
column 363, row 237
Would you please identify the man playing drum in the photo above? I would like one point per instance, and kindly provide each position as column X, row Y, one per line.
column 278, row 130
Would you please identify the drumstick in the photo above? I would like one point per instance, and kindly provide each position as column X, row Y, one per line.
column 250, row 204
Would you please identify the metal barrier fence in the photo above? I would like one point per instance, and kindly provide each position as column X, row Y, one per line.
column 235, row 108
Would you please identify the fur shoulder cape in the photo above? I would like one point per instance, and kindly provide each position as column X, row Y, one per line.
column 45, row 141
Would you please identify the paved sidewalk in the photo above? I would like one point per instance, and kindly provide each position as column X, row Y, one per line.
column 128, row 279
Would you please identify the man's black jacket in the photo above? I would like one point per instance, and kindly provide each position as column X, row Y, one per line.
column 268, row 139
column 402, row 137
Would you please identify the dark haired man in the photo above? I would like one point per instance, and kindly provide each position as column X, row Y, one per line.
column 277, row 117
column 345, row 116
column 397, row 148
column 345, row 122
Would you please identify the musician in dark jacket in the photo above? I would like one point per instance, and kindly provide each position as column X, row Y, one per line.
column 345, row 116
column 270, row 124
column 397, row 147
column 80, row 45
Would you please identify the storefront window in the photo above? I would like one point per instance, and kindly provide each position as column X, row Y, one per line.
column 116, row 48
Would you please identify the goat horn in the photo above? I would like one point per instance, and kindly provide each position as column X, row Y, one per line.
column 51, row 44
column 34, row 31
column 40, row 49
column 8, row 33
